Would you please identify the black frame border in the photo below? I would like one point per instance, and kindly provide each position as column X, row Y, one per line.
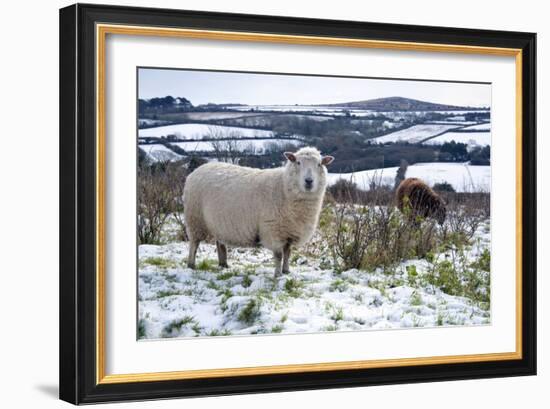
column 77, row 285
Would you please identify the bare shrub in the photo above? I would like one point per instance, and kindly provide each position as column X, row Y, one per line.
column 367, row 237
column 352, row 234
column 365, row 230
column 160, row 189
column 378, row 194
column 346, row 191
column 465, row 212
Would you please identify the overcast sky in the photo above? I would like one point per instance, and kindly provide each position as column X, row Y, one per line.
column 201, row 87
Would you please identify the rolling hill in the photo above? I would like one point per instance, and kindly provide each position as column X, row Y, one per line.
column 399, row 104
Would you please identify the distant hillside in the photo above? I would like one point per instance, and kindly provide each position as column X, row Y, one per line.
column 399, row 104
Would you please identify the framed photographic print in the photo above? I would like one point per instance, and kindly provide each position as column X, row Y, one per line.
column 258, row 203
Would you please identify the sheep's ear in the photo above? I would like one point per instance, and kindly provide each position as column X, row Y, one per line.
column 290, row 156
column 327, row 160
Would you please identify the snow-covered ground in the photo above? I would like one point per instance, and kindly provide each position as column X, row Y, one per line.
column 255, row 145
column 198, row 131
column 470, row 138
column 159, row 152
column 244, row 299
column 463, row 177
column 415, row 133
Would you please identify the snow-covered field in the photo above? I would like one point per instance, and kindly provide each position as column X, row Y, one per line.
column 244, row 299
column 463, row 177
column 256, row 145
column 159, row 152
column 415, row 133
column 470, row 138
column 198, row 131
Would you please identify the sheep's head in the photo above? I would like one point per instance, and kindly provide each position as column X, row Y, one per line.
column 306, row 170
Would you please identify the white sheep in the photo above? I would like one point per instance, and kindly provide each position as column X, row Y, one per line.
column 246, row 207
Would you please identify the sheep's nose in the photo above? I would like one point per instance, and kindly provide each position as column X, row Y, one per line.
column 309, row 182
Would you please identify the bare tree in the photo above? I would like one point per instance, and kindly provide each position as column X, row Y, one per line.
column 226, row 146
column 401, row 173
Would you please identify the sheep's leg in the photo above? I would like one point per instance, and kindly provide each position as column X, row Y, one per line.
column 277, row 255
column 286, row 258
column 222, row 254
column 193, row 246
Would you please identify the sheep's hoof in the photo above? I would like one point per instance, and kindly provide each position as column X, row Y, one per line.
column 191, row 265
column 286, row 271
column 223, row 265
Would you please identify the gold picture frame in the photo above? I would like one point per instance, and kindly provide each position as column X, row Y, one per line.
column 97, row 19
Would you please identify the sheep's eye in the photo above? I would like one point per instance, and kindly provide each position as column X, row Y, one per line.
column 298, row 163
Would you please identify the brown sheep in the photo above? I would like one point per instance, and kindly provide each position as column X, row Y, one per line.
column 414, row 194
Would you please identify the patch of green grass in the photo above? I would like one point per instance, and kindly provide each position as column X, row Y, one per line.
column 483, row 262
column 338, row 285
column 246, row 281
column 380, row 286
column 445, row 276
column 412, row 274
column 250, row 312
column 159, row 262
column 213, row 285
column 226, row 275
column 196, row 328
column 284, row 317
column 293, row 287
column 277, row 329
column 337, row 315
column 226, row 295
column 174, row 327
column 459, row 276
column 218, row 333
column 264, row 294
column 330, row 328
column 207, row 265
column 141, row 328
column 430, row 256
column 168, row 293
column 484, row 305
column 416, row 299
